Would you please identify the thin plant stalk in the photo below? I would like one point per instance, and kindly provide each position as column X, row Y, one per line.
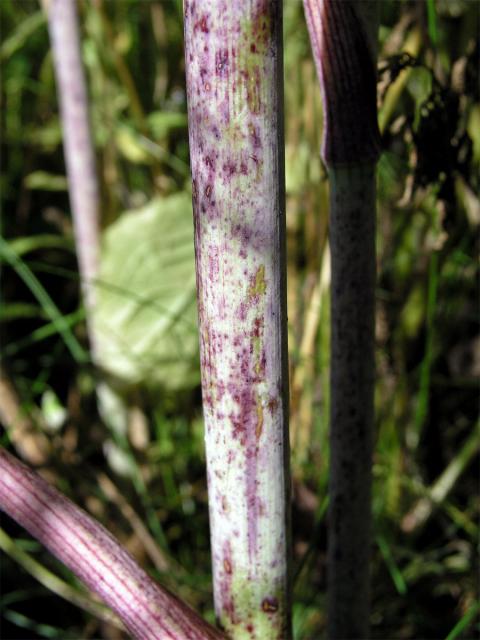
column 148, row 610
column 78, row 144
column 83, row 184
column 233, row 56
column 343, row 37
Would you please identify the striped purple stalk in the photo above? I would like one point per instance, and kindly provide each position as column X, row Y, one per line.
column 343, row 37
column 233, row 55
column 148, row 610
column 78, row 144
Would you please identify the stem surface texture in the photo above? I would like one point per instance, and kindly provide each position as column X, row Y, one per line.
column 78, row 144
column 343, row 35
column 352, row 244
column 148, row 611
column 235, row 104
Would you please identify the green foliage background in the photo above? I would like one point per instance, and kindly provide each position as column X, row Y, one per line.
column 426, row 503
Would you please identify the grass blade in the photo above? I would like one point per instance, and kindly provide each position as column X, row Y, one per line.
column 49, row 307
column 463, row 623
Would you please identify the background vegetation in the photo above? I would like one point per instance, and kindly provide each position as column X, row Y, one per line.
column 150, row 468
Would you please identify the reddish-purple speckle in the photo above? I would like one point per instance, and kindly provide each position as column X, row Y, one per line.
column 255, row 136
column 228, row 604
column 221, row 62
column 270, row 605
column 209, row 162
column 207, row 400
column 202, row 24
column 229, row 169
column 272, row 405
column 236, row 213
column 224, row 504
column 242, row 232
column 257, row 327
column 213, row 266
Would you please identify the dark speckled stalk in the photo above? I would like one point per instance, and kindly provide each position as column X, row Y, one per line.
column 352, row 243
column 235, row 107
column 148, row 611
column 77, row 142
column 343, row 37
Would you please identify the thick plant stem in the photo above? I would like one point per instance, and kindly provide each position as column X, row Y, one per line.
column 343, row 37
column 78, row 144
column 352, row 243
column 235, row 95
column 86, row 548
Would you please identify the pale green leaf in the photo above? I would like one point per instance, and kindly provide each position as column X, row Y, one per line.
column 46, row 181
column 21, row 34
column 161, row 123
column 146, row 317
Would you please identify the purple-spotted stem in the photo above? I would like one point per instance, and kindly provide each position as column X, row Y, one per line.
column 233, row 57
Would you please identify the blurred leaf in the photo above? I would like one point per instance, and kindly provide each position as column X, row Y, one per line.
column 297, row 160
column 43, row 630
column 48, row 136
column 146, row 317
column 473, row 128
column 413, row 312
column 21, row 34
column 113, row 409
column 419, row 85
column 118, row 460
column 21, row 246
column 452, row 8
column 16, row 310
column 129, row 146
column 470, row 201
column 54, row 413
column 161, row 123
column 432, row 21
column 46, row 181
column 306, row 619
